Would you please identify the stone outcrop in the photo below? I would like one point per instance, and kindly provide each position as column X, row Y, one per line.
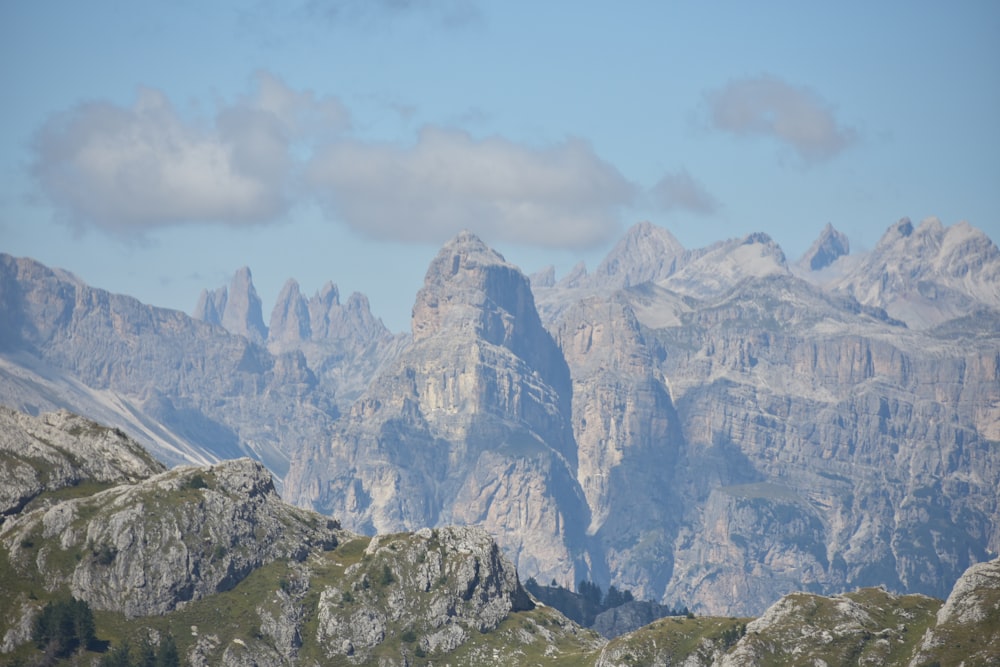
column 444, row 585
column 830, row 246
column 967, row 626
column 470, row 424
column 143, row 549
column 217, row 542
column 59, row 450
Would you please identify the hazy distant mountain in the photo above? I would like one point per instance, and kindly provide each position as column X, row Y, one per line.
column 710, row 428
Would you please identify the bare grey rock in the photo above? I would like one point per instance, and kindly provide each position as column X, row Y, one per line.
column 187, row 390
column 470, row 419
column 646, row 253
column 972, row 610
column 143, row 549
column 243, row 315
column 290, row 323
column 928, row 274
column 443, row 585
column 60, row 449
column 830, row 246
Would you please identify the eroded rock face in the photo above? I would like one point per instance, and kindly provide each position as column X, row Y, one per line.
column 928, row 274
column 821, row 444
column 825, row 250
column 60, row 449
column 443, row 584
column 143, row 549
column 628, row 437
column 470, row 423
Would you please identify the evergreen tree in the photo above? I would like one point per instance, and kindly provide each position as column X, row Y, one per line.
column 144, row 654
column 166, row 654
column 118, row 656
column 63, row 626
column 591, row 592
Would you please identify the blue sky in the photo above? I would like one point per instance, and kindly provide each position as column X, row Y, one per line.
column 153, row 148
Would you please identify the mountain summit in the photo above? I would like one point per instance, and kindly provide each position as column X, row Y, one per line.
column 825, row 250
column 483, row 388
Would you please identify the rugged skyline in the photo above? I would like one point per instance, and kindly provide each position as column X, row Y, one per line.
column 172, row 143
column 715, row 426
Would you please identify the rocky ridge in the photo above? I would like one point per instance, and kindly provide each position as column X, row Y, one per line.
column 48, row 454
column 927, row 274
column 772, row 431
column 161, row 551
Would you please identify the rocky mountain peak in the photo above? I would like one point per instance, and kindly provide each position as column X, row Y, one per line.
column 930, row 274
column 825, row 250
column 211, row 306
column 243, row 314
column 646, row 253
column 903, row 228
column 290, row 316
column 544, row 277
column 724, row 265
column 351, row 321
column 469, row 284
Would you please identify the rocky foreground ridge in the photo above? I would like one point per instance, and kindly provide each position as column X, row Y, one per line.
column 211, row 559
column 710, row 427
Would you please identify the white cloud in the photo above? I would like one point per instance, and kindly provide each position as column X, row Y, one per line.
column 131, row 169
column 678, row 190
column 770, row 107
column 563, row 195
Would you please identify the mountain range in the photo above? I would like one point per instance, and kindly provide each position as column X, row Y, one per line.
column 713, row 428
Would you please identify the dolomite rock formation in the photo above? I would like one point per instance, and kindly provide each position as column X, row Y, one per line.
column 928, row 274
column 628, row 437
column 238, row 309
column 469, row 425
column 726, row 432
column 825, row 250
column 142, row 549
column 820, row 443
column 188, row 390
column 47, row 453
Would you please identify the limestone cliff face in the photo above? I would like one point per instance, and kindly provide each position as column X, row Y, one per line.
column 58, row 450
column 628, row 435
column 142, row 549
column 799, row 439
column 470, row 423
column 829, row 454
column 185, row 388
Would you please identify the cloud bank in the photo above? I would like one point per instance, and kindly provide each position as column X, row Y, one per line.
column 560, row 196
column 128, row 170
column 793, row 115
column 131, row 170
